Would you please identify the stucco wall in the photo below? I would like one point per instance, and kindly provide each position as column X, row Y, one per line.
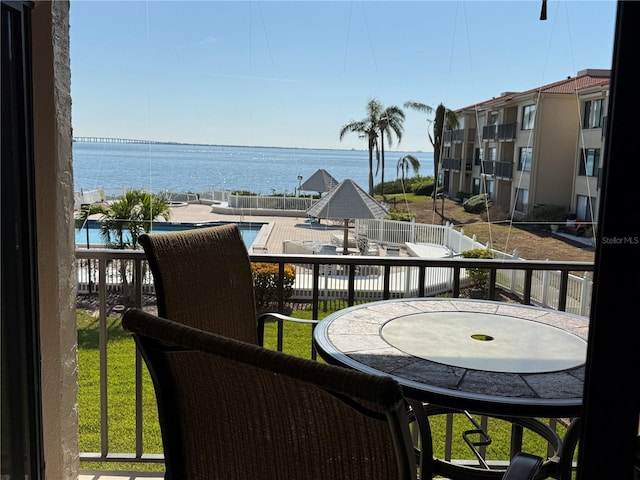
column 54, row 199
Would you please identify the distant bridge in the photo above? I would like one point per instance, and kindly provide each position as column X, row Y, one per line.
column 110, row 140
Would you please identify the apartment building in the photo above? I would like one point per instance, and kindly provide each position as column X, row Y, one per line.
column 520, row 147
column 594, row 101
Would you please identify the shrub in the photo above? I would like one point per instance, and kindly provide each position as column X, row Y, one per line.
column 244, row 193
column 462, row 196
column 400, row 215
column 545, row 214
column 476, row 204
column 265, row 281
column 424, row 187
column 479, row 276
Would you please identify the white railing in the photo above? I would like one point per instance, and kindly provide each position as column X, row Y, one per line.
column 270, row 203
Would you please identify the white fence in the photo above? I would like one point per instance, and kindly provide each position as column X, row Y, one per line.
column 270, row 203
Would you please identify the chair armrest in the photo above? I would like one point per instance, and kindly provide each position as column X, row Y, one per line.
column 263, row 317
column 523, row 466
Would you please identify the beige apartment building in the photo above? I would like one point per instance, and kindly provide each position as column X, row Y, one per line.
column 594, row 101
column 526, row 148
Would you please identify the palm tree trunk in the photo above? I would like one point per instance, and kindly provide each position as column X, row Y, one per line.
column 370, row 168
column 382, row 162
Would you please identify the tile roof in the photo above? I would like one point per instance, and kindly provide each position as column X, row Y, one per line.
column 584, row 79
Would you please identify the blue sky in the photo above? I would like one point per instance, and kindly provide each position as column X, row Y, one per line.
column 291, row 74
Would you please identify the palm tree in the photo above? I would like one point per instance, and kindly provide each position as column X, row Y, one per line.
column 133, row 212
column 404, row 163
column 391, row 122
column 443, row 117
column 367, row 128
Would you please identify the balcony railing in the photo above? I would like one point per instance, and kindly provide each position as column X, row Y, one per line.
column 453, row 136
column 320, row 279
column 502, row 132
column 498, row 169
column 451, row 164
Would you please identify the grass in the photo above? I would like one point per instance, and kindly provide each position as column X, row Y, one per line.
column 121, row 396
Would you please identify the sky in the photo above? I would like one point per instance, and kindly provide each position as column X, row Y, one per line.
column 291, row 74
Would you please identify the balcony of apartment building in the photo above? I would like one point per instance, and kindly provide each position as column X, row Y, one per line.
column 322, row 283
column 499, row 133
column 453, row 136
column 498, row 169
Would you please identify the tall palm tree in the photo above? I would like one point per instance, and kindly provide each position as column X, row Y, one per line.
column 404, row 163
column 391, row 122
column 367, row 128
column 444, row 117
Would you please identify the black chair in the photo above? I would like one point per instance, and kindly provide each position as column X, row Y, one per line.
column 231, row 410
column 203, row 279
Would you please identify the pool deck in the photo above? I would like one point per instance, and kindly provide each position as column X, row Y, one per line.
column 284, row 228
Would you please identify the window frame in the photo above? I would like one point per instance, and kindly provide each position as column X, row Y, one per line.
column 524, row 164
column 528, row 117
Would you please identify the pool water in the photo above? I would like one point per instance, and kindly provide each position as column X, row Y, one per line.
column 249, row 231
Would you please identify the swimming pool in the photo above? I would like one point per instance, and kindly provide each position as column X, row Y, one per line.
column 249, row 231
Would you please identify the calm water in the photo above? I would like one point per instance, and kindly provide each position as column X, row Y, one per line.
column 196, row 168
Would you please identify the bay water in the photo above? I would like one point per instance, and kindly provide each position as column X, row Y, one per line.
column 160, row 167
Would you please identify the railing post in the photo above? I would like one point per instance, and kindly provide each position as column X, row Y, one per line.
column 102, row 342
column 514, row 277
column 545, row 287
column 584, row 294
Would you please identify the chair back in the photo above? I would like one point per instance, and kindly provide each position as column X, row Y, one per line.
column 231, row 410
column 203, row 279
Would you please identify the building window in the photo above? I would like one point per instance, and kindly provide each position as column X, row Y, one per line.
column 477, row 159
column 524, row 163
column 476, row 186
column 522, row 200
column 489, row 188
column 493, row 154
column 593, row 113
column 528, row 117
column 589, row 162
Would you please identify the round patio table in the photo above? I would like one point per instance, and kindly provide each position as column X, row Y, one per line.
column 493, row 358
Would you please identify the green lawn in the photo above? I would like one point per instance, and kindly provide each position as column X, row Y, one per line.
column 121, row 396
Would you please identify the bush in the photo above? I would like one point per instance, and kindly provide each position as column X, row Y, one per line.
column 547, row 214
column 462, row 196
column 476, row 204
column 423, row 187
column 479, row 276
column 400, row 215
column 265, row 281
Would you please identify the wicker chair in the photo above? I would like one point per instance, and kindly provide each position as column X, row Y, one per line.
column 231, row 410
column 203, row 279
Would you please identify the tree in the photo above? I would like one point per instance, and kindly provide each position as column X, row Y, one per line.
column 404, row 163
column 443, row 118
column 367, row 128
column 134, row 213
column 391, row 122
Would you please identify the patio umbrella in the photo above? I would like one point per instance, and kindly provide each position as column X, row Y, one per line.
column 320, row 182
column 345, row 201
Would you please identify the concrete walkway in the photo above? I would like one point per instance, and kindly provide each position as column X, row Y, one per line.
column 284, row 228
